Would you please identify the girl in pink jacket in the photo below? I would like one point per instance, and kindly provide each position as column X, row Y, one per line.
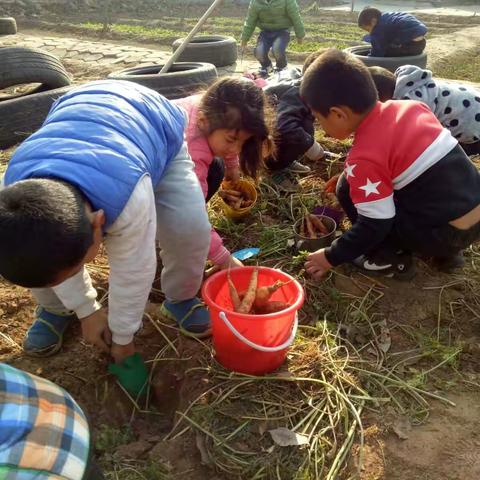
column 227, row 133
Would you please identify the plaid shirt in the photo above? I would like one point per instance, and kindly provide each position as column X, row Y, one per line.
column 44, row 434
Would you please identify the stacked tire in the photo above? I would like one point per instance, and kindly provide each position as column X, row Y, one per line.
column 390, row 63
column 215, row 49
column 21, row 115
column 183, row 78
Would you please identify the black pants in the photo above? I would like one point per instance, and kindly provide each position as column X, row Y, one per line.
column 286, row 155
column 216, row 172
column 411, row 236
column 406, row 50
column 471, row 148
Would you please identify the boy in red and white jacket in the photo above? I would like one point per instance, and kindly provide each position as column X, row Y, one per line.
column 407, row 187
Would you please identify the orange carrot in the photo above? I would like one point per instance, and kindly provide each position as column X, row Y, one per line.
column 331, row 184
column 264, row 293
column 249, row 297
column 237, row 204
column 227, row 197
column 271, row 307
column 233, row 293
column 318, row 224
column 310, row 229
column 233, row 193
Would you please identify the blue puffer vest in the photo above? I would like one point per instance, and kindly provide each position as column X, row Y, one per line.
column 103, row 137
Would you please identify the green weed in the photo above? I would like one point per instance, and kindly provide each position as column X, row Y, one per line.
column 109, row 438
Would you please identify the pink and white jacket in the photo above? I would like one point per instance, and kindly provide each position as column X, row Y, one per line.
column 202, row 157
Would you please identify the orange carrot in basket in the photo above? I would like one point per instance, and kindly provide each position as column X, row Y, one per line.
column 237, row 204
column 233, row 293
column 271, row 307
column 310, row 229
column 263, row 294
column 249, row 297
column 233, row 193
column 227, row 197
column 318, row 224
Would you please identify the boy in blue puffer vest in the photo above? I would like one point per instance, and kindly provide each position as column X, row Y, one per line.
column 109, row 164
column 392, row 34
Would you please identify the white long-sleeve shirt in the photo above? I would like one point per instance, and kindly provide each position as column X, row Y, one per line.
column 130, row 244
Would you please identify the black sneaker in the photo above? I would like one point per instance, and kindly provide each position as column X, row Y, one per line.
column 451, row 263
column 400, row 266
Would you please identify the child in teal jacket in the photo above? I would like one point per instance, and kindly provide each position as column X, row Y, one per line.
column 274, row 18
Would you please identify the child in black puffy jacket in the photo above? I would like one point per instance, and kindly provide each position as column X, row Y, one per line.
column 295, row 135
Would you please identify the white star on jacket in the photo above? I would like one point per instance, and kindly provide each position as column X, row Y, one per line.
column 349, row 170
column 370, row 187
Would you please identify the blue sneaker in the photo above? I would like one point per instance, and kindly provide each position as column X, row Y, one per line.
column 45, row 336
column 190, row 315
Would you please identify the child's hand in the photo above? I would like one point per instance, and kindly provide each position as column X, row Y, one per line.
column 300, row 40
column 121, row 352
column 232, row 174
column 95, row 330
column 317, row 264
column 232, row 262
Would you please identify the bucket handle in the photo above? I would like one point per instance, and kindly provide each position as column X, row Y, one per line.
column 255, row 346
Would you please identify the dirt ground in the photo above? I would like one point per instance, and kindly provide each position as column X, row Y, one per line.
column 431, row 316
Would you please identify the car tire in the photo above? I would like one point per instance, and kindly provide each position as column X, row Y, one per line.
column 390, row 63
column 216, row 49
column 20, row 65
column 184, row 78
column 20, row 117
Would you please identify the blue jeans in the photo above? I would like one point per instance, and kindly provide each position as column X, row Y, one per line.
column 277, row 40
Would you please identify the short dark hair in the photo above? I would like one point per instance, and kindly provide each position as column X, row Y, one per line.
column 44, row 230
column 310, row 59
column 366, row 16
column 384, row 81
column 337, row 78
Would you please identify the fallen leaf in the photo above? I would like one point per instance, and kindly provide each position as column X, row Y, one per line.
column 284, row 437
column 384, row 340
column 262, row 427
column 402, row 426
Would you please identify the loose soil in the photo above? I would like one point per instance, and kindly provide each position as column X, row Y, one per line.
column 446, row 445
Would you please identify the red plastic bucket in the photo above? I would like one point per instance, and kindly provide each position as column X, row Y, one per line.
column 252, row 344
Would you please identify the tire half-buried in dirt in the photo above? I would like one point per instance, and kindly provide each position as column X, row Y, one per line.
column 20, row 117
column 216, row 49
column 8, row 26
column 183, row 79
column 390, row 63
column 21, row 65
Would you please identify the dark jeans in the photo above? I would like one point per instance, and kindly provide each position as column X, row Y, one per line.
column 216, row 172
column 406, row 50
column 471, row 148
column 411, row 236
column 277, row 40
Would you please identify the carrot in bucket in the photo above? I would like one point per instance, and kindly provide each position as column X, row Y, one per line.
column 256, row 343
